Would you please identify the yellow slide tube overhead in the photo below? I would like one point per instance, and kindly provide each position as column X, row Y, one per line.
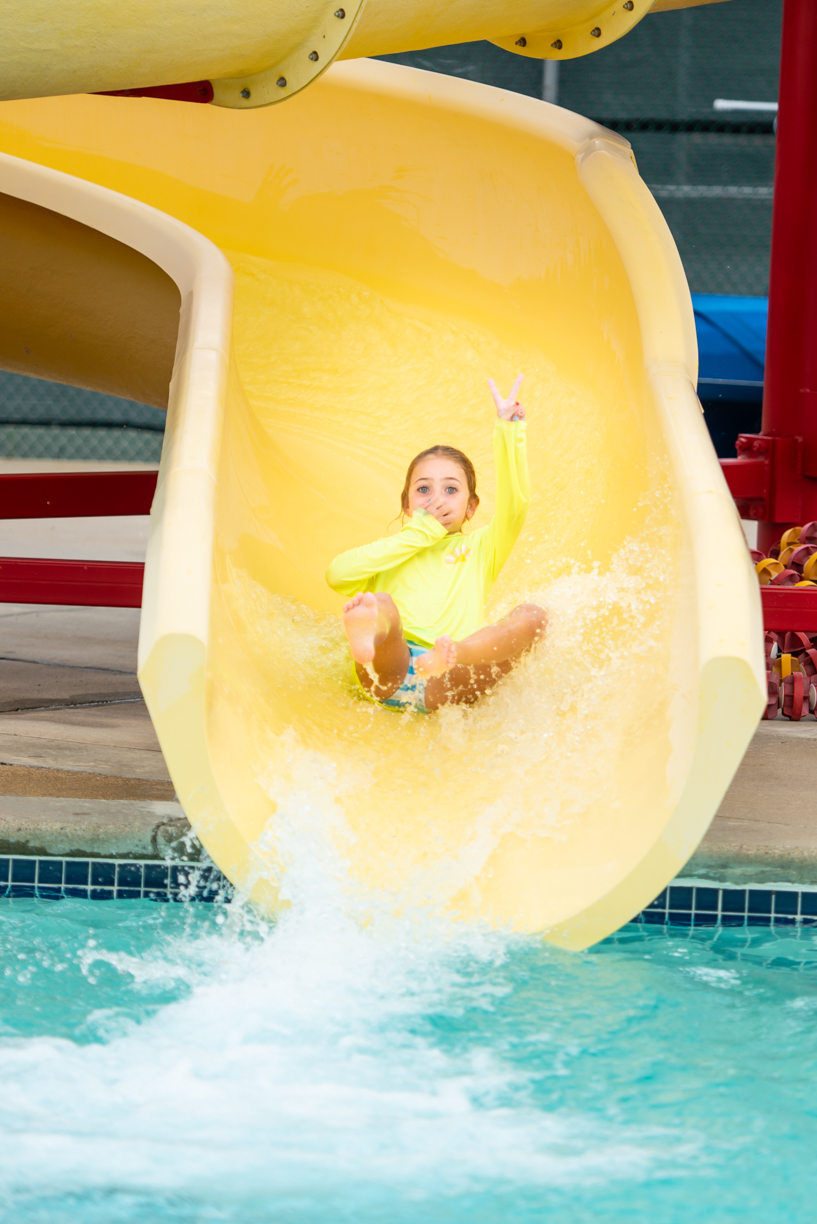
column 257, row 52
column 351, row 267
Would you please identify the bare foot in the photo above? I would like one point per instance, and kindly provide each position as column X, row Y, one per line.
column 360, row 623
column 441, row 658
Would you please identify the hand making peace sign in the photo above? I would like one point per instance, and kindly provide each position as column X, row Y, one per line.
column 508, row 409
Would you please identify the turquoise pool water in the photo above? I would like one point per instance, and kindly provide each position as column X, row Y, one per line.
column 187, row 1063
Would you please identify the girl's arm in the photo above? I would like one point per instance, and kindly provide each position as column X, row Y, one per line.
column 352, row 571
column 512, row 481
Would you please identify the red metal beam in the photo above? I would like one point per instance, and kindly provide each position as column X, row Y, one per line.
column 746, row 478
column 107, row 584
column 188, row 91
column 789, row 608
column 748, row 483
column 75, row 494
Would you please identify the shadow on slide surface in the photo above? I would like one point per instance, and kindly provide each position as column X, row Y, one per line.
column 351, row 267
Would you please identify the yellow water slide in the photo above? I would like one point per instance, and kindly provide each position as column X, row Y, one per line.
column 349, row 268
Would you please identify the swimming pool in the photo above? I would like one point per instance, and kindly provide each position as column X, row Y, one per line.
column 188, row 1063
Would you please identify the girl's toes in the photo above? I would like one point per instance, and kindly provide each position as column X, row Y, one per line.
column 446, row 652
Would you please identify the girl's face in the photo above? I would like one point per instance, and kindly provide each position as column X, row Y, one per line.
column 440, row 486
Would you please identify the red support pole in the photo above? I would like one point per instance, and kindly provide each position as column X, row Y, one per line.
column 790, row 395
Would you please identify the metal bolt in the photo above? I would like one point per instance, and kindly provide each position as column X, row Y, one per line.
column 521, row 42
column 628, row 4
column 313, row 55
column 245, row 93
column 341, row 13
column 281, row 82
column 595, row 32
column 557, row 45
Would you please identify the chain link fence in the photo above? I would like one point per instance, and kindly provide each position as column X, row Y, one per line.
column 711, row 171
column 46, row 420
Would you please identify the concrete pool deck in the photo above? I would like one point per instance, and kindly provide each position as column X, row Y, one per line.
column 81, row 770
column 766, row 828
column 82, row 773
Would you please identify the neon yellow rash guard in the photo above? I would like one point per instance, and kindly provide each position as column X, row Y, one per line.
column 439, row 581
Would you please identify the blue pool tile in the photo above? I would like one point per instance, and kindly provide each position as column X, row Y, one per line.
column 760, row 901
column 680, row 897
column 705, row 919
column 76, row 871
column 654, row 917
column 156, row 895
column 218, row 883
column 732, row 920
column 785, row 920
column 707, row 899
column 70, row 890
column 680, row 917
column 4, row 870
column 220, row 893
column 23, row 871
column 191, row 880
column 129, row 876
column 101, row 894
column 660, row 901
column 49, row 892
column 785, row 903
column 733, row 901
column 103, row 874
column 49, row 871
column 155, row 875
column 808, row 904
column 22, row 890
column 128, row 894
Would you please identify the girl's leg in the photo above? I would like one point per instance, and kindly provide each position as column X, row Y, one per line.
column 483, row 658
column 372, row 625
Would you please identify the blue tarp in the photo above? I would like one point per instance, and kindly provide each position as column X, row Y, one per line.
column 731, row 346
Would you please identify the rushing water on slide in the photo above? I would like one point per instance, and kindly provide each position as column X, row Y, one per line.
column 534, row 802
column 192, row 1063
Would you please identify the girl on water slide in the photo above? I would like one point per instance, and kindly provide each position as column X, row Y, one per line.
column 416, row 617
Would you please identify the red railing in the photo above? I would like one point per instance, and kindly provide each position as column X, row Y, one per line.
column 792, row 609
column 112, row 584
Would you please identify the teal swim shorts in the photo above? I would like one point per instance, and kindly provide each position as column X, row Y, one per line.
column 412, row 692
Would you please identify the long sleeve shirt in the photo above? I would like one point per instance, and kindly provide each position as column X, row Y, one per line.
column 438, row 581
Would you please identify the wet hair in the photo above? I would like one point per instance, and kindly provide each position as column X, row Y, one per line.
column 443, row 452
